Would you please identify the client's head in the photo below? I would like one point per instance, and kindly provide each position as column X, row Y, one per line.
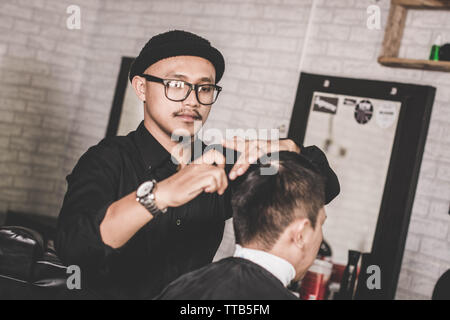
column 282, row 213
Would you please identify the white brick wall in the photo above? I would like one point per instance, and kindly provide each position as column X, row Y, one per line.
column 57, row 86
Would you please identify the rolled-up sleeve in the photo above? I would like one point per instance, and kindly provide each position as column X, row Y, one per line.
column 91, row 190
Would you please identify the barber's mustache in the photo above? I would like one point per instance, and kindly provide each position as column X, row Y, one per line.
column 183, row 112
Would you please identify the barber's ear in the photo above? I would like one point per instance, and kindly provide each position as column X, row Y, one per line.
column 139, row 84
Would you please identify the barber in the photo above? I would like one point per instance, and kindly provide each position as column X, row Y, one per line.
column 136, row 214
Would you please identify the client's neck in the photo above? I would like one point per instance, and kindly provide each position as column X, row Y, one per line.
column 277, row 265
column 275, row 250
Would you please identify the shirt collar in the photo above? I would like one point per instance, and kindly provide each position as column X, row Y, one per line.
column 279, row 267
column 152, row 152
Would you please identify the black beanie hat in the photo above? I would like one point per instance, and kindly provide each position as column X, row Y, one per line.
column 177, row 43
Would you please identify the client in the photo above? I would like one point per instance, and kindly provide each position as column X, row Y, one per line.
column 278, row 226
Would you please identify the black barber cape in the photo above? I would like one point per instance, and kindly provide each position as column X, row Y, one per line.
column 183, row 239
column 228, row 279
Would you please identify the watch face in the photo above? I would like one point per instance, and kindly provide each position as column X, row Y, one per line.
column 144, row 189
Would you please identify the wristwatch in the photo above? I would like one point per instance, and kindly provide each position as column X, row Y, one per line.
column 146, row 197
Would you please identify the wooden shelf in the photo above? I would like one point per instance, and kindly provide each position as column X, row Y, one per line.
column 423, row 4
column 394, row 33
column 415, row 64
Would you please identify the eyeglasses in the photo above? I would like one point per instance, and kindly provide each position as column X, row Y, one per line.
column 179, row 90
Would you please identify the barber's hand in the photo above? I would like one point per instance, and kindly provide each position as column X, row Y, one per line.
column 251, row 150
column 200, row 176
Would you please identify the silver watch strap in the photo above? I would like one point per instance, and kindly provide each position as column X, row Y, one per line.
column 148, row 201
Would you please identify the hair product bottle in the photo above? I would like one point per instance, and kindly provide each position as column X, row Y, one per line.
column 349, row 277
column 434, row 54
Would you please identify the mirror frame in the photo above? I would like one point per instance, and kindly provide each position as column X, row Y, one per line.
column 404, row 166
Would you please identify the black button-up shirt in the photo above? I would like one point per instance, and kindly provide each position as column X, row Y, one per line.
column 181, row 240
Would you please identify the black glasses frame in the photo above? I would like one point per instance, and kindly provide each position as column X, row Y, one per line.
column 191, row 86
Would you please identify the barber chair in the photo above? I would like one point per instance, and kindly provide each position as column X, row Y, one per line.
column 29, row 266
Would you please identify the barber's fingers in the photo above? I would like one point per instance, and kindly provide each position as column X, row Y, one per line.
column 204, row 177
column 211, row 157
column 203, row 183
column 224, row 181
column 236, row 143
column 211, row 184
column 251, row 151
column 245, row 161
column 258, row 149
column 220, row 181
column 240, row 144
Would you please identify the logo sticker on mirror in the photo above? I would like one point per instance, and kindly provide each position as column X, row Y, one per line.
column 363, row 111
column 385, row 115
column 349, row 102
column 325, row 104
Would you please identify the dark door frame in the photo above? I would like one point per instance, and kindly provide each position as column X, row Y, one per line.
column 119, row 95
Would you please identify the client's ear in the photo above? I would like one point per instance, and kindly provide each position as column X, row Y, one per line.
column 301, row 232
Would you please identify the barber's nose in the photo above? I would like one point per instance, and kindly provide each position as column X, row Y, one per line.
column 191, row 99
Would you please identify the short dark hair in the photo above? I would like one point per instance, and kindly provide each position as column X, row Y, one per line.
column 264, row 205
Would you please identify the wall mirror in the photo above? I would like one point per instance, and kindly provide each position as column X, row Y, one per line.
column 373, row 133
column 127, row 110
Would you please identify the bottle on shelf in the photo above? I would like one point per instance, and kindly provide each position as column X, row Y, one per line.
column 347, row 287
column 434, row 54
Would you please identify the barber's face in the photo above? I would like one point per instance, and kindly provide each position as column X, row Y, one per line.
column 177, row 117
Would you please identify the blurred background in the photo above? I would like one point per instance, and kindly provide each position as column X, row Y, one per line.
column 57, row 86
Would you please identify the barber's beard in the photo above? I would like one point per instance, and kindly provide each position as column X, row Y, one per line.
column 172, row 128
column 189, row 129
column 196, row 115
column 186, row 135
